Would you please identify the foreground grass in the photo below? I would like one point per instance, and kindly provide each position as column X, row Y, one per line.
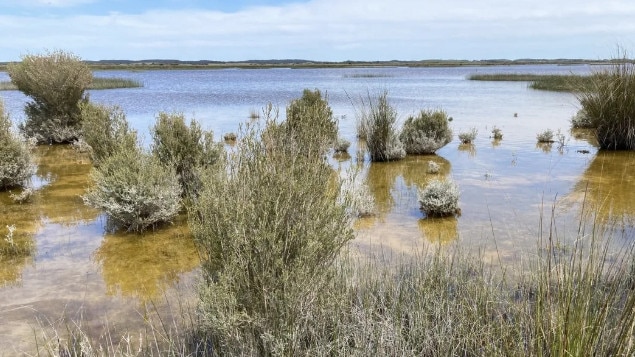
column 565, row 302
column 97, row 84
column 551, row 82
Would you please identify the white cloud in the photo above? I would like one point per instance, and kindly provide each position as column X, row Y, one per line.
column 337, row 30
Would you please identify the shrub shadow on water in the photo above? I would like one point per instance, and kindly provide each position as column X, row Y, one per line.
column 144, row 266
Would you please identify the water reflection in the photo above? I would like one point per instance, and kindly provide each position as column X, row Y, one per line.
column 144, row 266
column 469, row 149
column 608, row 187
column 439, row 230
column 383, row 177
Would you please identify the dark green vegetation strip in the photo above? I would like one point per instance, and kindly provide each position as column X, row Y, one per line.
column 98, row 83
column 552, row 82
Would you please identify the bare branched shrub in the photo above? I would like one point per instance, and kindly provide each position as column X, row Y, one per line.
column 55, row 82
column 440, row 198
column 185, row 148
column 135, row 190
column 377, row 122
column 16, row 161
column 610, row 106
column 426, row 133
column 269, row 228
column 104, row 130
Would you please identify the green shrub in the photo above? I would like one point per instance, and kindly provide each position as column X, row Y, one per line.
column 16, row 161
column 426, row 133
column 186, row 148
column 55, row 82
column 105, row 130
column 377, row 122
column 311, row 117
column 610, row 106
column 135, row 190
column 440, row 198
column 269, row 228
column 467, row 137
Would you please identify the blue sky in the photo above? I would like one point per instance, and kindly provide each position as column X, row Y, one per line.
column 330, row 30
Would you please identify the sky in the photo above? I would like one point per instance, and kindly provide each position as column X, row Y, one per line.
column 320, row 30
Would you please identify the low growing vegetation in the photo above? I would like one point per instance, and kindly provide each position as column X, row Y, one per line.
column 98, row 83
column 551, row 82
column 439, row 198
column 426, row 133
column 468, row 137
column 56, row 83
column 545, row 136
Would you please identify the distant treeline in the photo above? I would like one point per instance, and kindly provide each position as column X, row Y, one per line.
column 301, row 63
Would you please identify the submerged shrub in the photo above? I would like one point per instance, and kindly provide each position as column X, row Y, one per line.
column 426, row 133
column 55, row 82
column 135, row 190
column 467, row 137
column 545, row 136
column 610, row 106
column 104, row 130
column 16, row 161
column 269, row 228
column 377, row 122
column 185, row 148
column 440, row 198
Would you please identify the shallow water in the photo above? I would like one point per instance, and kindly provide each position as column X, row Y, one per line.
column 507, row 187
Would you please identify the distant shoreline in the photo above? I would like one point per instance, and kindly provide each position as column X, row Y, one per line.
column 159, row 64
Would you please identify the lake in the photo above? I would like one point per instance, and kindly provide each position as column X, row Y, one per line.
column 508, row 187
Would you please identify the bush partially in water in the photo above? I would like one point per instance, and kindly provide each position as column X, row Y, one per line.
column 497, row 133
column 610, row 106
column 440, row 198
column 187, row 149
column 545, row 136
column 135, row 190
column 341, row 145
column 426, row 133
column 55, row 82
column 467, row 137
column 269, row 228
column 104, row 130
column 16, row 161
column 377, row 123
column 311, row 117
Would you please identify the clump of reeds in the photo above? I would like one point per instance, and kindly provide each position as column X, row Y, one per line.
column 377, row 123
column 610, row 106
column 113, row 83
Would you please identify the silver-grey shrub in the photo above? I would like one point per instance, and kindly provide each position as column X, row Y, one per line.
column 377, row 122
column 188, row 149
column 440, row 198
column 105, row 130
column 135, row 190
column 56, row 83
column 467, row 137
column 426, row 133
column 268, row 227
column 16, row 161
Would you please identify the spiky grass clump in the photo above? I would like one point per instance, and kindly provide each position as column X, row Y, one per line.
column 377, row 123
column 16, row 161
column 440, row 198
column 468, row 137
column 55, row 82
column 610, row 106
column 426, row 133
